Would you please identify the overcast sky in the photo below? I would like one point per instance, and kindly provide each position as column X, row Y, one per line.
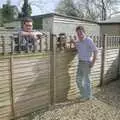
column 39, row 7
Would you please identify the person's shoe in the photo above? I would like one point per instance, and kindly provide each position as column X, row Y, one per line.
column 93, row 98
column 77, row 99
column 83, row 99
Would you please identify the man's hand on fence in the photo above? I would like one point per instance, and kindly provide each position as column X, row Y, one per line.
column 33, row 34
column 36, row 35
column 91, row 64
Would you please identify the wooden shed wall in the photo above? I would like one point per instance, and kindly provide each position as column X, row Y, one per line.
column 48, row 24
column 68, row 25
column 110, row 29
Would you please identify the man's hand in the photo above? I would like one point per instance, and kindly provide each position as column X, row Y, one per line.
column 35, row 35
column 94, row 59
column 92, row 64
column 38, row 33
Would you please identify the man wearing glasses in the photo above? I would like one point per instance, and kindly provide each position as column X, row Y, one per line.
column 28, row 37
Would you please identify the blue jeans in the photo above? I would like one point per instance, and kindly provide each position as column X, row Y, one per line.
column 83, row 80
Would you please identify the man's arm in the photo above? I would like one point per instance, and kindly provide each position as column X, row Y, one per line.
column 94, row 58
column 73, row 41
column 33, row 34
column 95, row 52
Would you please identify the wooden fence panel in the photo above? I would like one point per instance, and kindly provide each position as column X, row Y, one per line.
column 31, row 87
column 5, row 41
column 5, row 90
column 65, row 75
column 66, row 65
column 9, row 42
column 96, row 70
column 111, row 65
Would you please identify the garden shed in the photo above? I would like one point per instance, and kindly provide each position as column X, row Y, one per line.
column 111, row 26
column 56, row 24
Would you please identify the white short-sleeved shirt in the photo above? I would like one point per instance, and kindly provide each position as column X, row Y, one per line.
column 85, row 49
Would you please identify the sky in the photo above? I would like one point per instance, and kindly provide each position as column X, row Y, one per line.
column 38, row 7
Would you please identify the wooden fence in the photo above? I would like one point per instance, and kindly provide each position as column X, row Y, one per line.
column 106, row 69
column 29, row 82
column 10, row 43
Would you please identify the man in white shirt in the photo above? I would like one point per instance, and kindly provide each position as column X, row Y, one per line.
column 87, row 53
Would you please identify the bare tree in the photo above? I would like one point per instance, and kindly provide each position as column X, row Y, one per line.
column 68, row 7
column 108, row 7
column 89, row 9
column 102, row 8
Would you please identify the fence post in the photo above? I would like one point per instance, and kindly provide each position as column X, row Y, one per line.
column 46, row 43
column 52, row 69
column 119, row 60
column 12, row 44
column 103, row 58
column 11, row 87
column 3, row 44
column 19, row 43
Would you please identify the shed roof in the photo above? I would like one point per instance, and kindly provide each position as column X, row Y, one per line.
column 113, row 20
column 61, row 15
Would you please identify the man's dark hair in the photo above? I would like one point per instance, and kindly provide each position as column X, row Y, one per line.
column 80, row 28
column 27, row 20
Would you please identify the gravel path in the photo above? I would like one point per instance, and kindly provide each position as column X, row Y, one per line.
column 106, row 107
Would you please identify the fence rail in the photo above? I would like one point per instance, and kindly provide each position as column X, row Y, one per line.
column 30, row 82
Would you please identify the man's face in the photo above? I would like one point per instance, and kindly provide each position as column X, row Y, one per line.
column 28, row 26
column 80, row 34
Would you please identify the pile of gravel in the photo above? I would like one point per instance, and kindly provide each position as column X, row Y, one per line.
column 106, row 107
